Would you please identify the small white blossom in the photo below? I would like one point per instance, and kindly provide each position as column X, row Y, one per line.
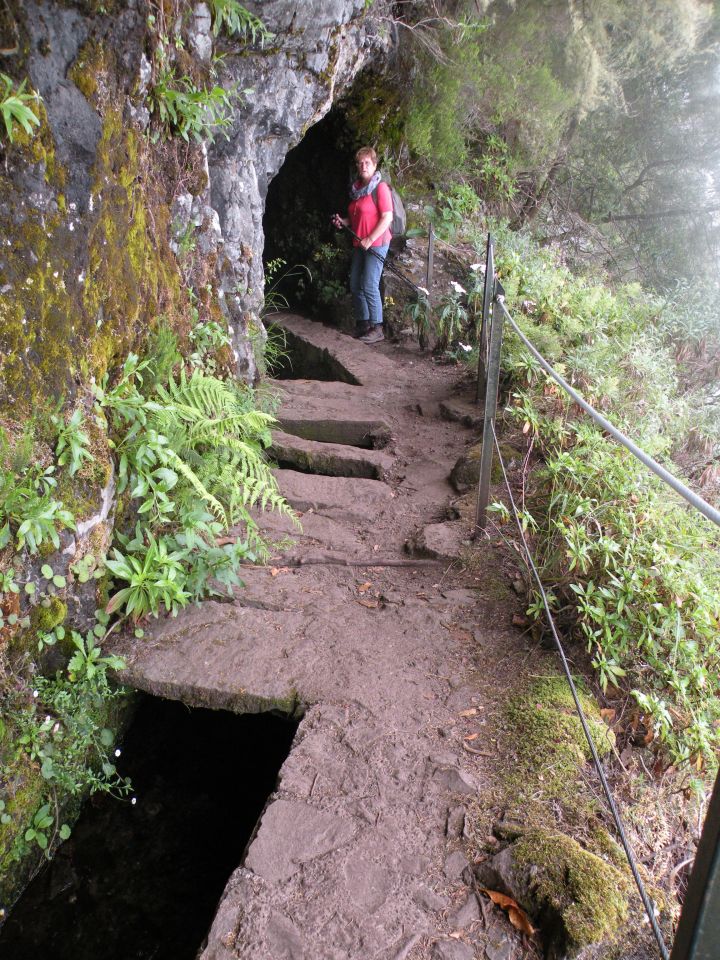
column 466, row 347
column 477, row 266
column 457, row 287
column 133, row 801
column 117, row 753
column 35, row 693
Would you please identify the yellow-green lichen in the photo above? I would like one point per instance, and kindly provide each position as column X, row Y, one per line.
column 89, row 68
column 588, row 895
column 132, row 274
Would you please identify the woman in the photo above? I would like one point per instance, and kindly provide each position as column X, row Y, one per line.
column 369, row 217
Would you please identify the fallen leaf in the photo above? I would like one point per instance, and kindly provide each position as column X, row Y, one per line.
column 501, row 899
column 519, row 919
column 223, row 541
column 517, row 916
column 276, row 570
column 471, row 736
column 519, row 620
column 468, row 713
column 370, row 604
column 364, row 587
column 608, row 715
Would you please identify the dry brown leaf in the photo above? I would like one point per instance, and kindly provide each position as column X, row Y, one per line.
column 370, row 604
column 472, row 712
column 223, row 541
column 501, row 899
column 471, row 736
column 274, row 571
column 608, row 715
column 364, row 587
column 520, row 920
column 519, row 620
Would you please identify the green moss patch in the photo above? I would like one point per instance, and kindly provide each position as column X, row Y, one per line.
column 551, row 751
column 587, row 895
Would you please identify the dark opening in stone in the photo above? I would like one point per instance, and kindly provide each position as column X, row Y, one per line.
column 143, row 880
column 309, row 188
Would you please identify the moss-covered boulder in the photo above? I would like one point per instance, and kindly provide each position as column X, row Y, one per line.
column 574, row 897
column 466, row 472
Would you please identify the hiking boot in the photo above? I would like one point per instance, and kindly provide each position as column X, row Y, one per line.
column 362, row 330
column 375, row 335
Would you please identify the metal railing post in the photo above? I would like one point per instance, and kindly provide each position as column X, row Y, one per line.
column 488, row 444
column 428, row 286
column 698, row 932
column 485, row 322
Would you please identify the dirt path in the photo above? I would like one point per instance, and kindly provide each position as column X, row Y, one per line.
column 362, row 851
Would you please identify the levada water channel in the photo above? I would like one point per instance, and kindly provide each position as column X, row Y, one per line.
column 142, row 880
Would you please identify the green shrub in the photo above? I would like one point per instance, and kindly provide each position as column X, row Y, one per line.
column 634, row 572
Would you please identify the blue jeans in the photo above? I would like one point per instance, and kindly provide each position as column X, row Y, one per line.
column 365, row 272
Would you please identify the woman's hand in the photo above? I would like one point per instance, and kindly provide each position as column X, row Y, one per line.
column 339, row 221
column 366, row 243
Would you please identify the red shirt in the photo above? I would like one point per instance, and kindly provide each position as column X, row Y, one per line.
column 365, row 214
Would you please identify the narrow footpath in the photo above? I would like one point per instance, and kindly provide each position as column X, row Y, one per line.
column 377, row 624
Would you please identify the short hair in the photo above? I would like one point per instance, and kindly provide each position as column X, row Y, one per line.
column 366, row 152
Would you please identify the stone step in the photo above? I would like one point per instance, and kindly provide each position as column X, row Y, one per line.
column 330, row 459
column 355, row 500
column 323, row 353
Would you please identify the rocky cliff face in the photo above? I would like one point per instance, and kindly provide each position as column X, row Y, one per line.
column 94, row 211
column 112, row 229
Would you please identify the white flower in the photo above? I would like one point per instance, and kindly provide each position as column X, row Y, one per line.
column 477, row 266
column 457, row 288
column 117, row 753
column 35, row 693
column 466, row 347
column 133, row 801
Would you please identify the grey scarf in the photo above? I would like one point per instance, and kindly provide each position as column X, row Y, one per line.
column 364, row 190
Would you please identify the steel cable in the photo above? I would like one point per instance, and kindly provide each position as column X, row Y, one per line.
column 647, row 903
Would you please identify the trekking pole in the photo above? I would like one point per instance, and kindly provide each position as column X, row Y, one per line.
column 390, row 267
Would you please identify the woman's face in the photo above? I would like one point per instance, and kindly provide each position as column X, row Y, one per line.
column 366, row 168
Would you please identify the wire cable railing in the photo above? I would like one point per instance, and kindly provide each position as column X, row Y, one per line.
column 699, row 927
column 647, row 902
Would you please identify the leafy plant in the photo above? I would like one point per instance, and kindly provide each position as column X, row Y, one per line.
column 234, row 18
column 73, row 442
column 26, row 506
column 185, row 109
column 15, row 107
column 155, row 576
column 634, row 572
column 191, row 456
column 452, row 316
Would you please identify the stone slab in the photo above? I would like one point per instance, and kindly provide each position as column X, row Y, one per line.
column 329, row 459
column 349, row 354
column 292, row 834
column 462, row 411
column 356, row 499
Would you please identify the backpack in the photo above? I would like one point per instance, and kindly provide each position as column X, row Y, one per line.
column 399, row 220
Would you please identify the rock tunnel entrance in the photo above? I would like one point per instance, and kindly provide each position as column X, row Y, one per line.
column 143, row 879
column 310, row 186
